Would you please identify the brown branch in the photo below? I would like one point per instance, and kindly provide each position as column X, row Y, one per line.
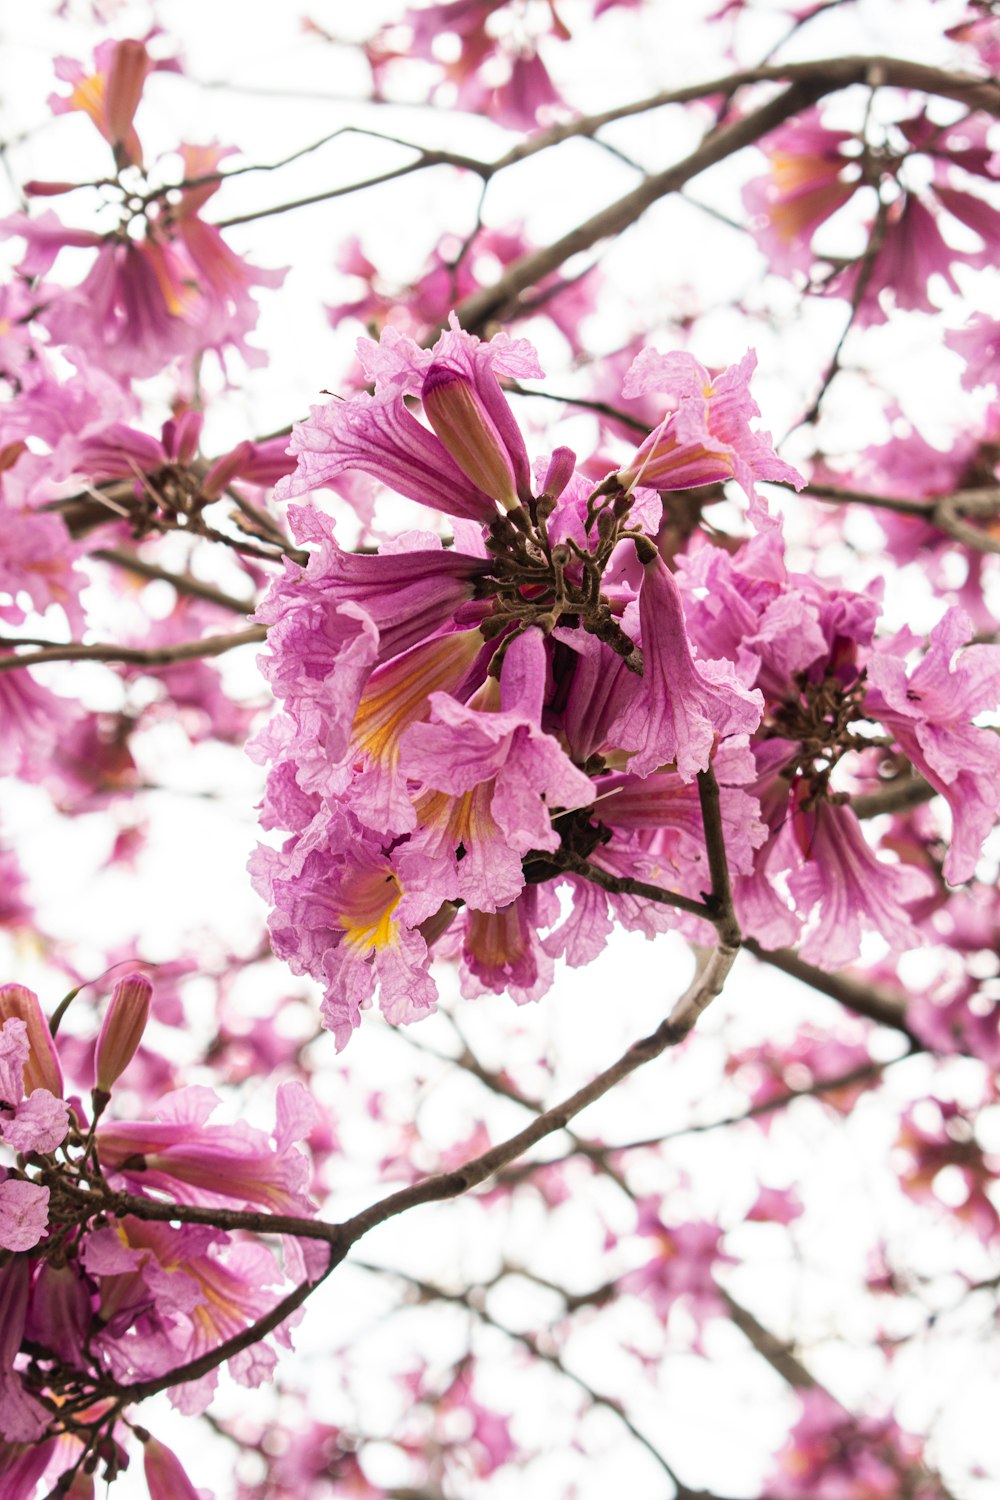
column 809, row 82
column 898, row 795
column 778, row 1354
column 869, row 1000
column 670, row 1033
column 861, row 1074
column 184, row 583
column 153, row 656
column 833, row 73
column 467, row 1299
column 625, row 885
column 947, row 512
column 492, row 302
column 426, row 159
column 431, row 1189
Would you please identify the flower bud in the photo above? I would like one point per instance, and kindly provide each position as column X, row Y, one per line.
column 129, row 68
column 164, row 1475
column 42, row 1070
column 470, row 435
column 124, row 1022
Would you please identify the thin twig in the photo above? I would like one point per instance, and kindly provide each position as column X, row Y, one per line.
column 151, row 656
column 184, row 583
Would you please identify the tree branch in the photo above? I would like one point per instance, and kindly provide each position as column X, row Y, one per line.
column 184, row 583
column 869, row 1000
column 152, row 656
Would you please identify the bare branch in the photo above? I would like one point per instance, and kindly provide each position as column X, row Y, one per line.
column 152, row 656
column 426, row 159
column 899, row 795
column 872, row 1001
column 184, row 583
column 469, row 1300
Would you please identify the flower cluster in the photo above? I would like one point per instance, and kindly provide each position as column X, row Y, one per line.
column 98, row 1293
column 913, row 234
column 164, row 285
column 464, row 728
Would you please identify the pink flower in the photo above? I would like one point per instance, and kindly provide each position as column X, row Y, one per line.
column 178, row 1152
column 41, row 1066
column 22, row 1418
column 979, row 345
column 682, row 1268
column 674, row 711
column 929, row 711
column 336, row 916
column 706, row 437
column 24, row 1214
column 165, row 1475
column 170, row 1294
column 490, row 781
column 173, row 293
column 810, row 178
column 39, row 1121
column 473, row 460
column 831, row 1455
column 847, row 889
column 110, row 94
column 501, row 952
column 122, row 1029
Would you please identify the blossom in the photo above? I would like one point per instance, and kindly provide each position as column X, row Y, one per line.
column 170, row 1294
column 39, row 1121
column 122, row 1029
column 707, row 437
column 178, row 1151
column 110, row 94
column 810, row 177
column 165, row 1474
column 501, row 952
column 929, row 712
column 40, row 1067
column 473, row 460
column 490, row 780
column 22, row 1418
column 24, row 1213
column 831, row 1455
column 847, row 888
column 336, row 916
column 979, row 345
column 174, row 292
column 675, row 709
column 682, row 1268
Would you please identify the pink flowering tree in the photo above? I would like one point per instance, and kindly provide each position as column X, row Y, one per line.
column 499, row 687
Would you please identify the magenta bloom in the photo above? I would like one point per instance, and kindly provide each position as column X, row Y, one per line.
column 678, row 706
column 490, row 781
column 185, row 1156
column 336, row 915
column 706, row 437
column 848, row 889
column 979, row 346
column 473, row 459
column 502, row 953
column 810, row 178
column 165, row 1475
column 930, row 712
column 110, row 94
column 39, row 1121
column 24, row 1213
column 22, row 1419
column 174, row 293
column 831, row 1455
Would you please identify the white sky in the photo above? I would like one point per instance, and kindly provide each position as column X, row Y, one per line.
column 681, row 256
